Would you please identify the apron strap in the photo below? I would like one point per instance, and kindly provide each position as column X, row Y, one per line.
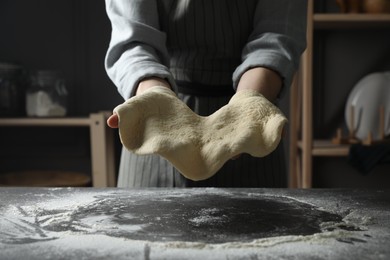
column 197, row 89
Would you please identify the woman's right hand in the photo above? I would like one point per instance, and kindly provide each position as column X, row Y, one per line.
column 113, row 121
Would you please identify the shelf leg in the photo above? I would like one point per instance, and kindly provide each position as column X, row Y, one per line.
column 307, row 102
column 294, row 110
column 102, row 151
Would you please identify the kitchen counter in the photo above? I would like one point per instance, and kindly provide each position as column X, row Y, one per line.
column 92, row 223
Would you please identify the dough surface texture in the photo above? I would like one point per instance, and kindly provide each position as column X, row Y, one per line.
column 157, row 122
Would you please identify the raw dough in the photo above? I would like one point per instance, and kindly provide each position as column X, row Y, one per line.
column 160, row 123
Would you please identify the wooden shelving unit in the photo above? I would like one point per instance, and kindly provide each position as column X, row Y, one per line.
column 66, row 122
column 327, row 148
column 350, row 21
column 302, row 145
column 101, row 137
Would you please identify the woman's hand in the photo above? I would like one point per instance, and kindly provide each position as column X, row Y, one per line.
column 263, row 80
column 113, row 120
column 150, row 83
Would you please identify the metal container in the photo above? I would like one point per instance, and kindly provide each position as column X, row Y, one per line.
column 47, row 94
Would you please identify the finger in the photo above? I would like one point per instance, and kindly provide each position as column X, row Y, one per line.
column 113, row 121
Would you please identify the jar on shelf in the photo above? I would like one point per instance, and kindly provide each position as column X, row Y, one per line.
column 364, row 6
column 12, row 90
column 376, row 6
column 47, row 94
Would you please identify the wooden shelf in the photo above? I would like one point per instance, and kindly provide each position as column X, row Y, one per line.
column 327, row 148
column 61, row 121
column 350, row 21
column 303, row 146
column 101, row 137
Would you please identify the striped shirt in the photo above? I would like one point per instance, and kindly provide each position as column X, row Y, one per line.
column 211, row 42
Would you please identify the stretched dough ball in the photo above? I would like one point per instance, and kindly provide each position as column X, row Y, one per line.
column 157, row 122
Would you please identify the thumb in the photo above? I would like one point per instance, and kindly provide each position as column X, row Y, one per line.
column 113, row 121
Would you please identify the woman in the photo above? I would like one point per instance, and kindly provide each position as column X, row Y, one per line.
column 204, row 50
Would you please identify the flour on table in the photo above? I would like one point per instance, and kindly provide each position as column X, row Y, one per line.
column 158, row 122
column 105, row 224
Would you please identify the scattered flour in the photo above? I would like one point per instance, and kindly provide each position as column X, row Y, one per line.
column 53, row 224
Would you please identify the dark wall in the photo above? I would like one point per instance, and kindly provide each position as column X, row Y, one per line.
column 69, row 35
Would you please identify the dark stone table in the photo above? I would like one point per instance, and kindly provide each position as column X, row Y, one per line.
column 89, row 223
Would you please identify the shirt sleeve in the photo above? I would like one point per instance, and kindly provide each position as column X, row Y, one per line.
column 278, row 39
column 137, row 47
